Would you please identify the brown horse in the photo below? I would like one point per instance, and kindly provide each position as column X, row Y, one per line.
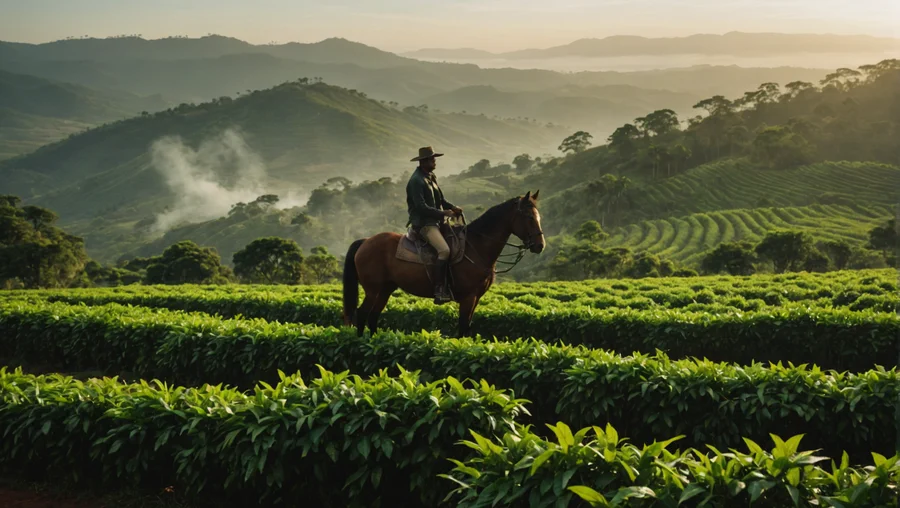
column 372, row 262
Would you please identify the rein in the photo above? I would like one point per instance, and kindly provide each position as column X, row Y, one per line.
column 519, row 254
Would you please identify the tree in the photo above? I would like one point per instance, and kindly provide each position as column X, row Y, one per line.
column 735, row 258
column 779, row 147
column 816, row 261
column 39, row 217
column 645, row 264
column 321, row 267
column 839, row 251
column 885, row 239
column 787, row 250
column 623, row 140
column 591, row 232
column 576, row 143
column 660, row 122
column 33, row 252
column 680, row 154
column 269, row 260
column 523, row 163
column 716, row 105
column 480, row 168
column 795, row 88
column 187, row 263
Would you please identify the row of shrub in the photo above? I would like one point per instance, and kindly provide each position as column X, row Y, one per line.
column 338, row 441
column 595, row 467
column 652, row 396
column 386, row 441
column 831, row 338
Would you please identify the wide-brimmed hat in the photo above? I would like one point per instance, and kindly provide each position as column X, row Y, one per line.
column 426, row 152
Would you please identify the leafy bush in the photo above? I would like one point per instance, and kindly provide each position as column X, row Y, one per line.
column 337, row 441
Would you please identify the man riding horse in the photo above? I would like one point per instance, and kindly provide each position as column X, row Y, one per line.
column 427, row 209
column 374, row 262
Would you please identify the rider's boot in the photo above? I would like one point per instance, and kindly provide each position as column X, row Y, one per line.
column 441, row 292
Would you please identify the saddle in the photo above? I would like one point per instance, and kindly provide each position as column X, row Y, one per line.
column 415, row 249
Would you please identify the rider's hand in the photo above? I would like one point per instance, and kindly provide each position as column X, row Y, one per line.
column 457, row 210
column 448, row 213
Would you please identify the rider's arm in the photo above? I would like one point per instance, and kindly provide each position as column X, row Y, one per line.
column 418, row 198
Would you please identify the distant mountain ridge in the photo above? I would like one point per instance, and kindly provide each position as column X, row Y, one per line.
column 731, row 43
column 331, row 50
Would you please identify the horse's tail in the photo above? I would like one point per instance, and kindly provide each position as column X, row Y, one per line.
column 351, row 283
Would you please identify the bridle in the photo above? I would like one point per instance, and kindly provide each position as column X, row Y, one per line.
column 521, row 250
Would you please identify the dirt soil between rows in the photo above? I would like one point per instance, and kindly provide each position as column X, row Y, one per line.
column 11, row 497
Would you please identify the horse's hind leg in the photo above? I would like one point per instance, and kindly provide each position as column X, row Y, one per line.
column 466, row 311
column 378, row 305
column 362, row 313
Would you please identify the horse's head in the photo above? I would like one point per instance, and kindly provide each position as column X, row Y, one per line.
column 527, row 223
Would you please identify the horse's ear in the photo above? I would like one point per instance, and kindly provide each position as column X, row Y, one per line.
column 535, row 197
column 527, row 195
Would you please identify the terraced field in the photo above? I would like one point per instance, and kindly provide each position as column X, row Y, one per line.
column 736, row 184
column 266, row 402
column 687, row 238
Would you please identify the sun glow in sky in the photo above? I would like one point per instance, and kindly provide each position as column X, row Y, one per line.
column 402, row 25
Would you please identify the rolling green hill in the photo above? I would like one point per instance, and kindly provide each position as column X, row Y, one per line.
column 35, row 111
column 302, row 134
column 686, row 239
column 22, row 133
column 38, row 96
column 735, row 184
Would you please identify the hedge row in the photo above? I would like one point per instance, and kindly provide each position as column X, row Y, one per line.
column 652, row 396
column 838, row 339
column 594, row 467
column 338, row 441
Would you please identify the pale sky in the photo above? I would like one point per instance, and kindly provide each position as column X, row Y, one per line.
column 403, row 25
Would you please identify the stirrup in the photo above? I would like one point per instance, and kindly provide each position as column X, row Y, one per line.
column 441, row 295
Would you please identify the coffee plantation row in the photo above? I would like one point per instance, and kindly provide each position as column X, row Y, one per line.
column 798, row 332
column 854, row 290
column 386, row 441
column 652, row 396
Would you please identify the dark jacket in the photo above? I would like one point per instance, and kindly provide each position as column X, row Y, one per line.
column 424, row 200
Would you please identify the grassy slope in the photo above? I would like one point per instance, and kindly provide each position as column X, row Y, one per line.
column 303, row 134
column 736, row 184
column 685, row 239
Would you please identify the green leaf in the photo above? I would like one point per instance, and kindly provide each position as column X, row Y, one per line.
column 757, row 488
column 590, row 495
column 691, row 491
column 363, row 447
column 541, row 459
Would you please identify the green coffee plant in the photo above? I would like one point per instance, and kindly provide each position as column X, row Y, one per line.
column 339, row 440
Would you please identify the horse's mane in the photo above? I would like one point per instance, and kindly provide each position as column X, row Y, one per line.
column 493, row 215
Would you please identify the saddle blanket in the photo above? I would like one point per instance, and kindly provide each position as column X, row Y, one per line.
column 415, row 249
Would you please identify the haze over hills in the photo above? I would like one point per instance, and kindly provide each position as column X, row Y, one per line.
column 292, row 137
column 731, row 43
column 237, row 134
column 197, row 70
column 36, row 111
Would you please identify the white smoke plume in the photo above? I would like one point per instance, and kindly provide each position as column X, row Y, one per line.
column 207, row 181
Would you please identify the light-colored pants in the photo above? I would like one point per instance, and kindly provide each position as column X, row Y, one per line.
column 433, row 236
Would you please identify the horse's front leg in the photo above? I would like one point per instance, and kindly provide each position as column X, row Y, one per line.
column 466, row 310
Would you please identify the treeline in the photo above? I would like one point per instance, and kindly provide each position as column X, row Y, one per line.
column 582, row 256
column 34, row 253
column 798, row 251
column 851, row 115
